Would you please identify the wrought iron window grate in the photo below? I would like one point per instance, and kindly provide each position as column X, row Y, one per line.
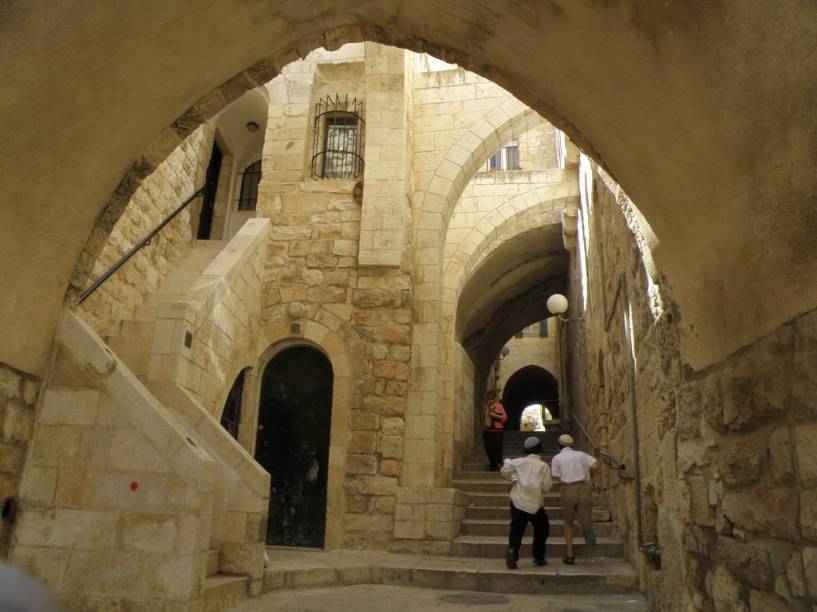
column 248, row 195
column 337, row 150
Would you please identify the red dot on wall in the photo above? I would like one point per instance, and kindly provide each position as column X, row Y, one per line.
column 134, row 485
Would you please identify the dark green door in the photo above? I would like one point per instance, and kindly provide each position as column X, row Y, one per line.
column 293, row 444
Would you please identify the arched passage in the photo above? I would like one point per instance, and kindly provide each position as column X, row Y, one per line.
column 529, row 385
column 649, row 104
column 294, row 424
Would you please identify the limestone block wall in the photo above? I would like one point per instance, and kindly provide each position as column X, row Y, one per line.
column 428, row 519
column 18, row 395
column 538, row 147
column 176, row 178
column 205, row 339
column 116, row 498
column 385, row 215
column 311, row 275
column 726, row 454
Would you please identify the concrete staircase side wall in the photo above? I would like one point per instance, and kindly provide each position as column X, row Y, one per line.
column 242, row 492
column 117, row 496
column 204, row 339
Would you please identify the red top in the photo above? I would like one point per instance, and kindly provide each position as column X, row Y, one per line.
column 498, row 423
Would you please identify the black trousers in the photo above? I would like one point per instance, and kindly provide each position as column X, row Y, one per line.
column 541, row 529
column 492, row 439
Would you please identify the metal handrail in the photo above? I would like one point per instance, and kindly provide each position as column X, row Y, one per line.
column 146, row 240
column 606, row 457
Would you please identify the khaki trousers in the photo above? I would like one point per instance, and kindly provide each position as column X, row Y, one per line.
column 577, row 500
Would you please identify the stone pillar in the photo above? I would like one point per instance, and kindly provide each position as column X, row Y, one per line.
column 385, row 213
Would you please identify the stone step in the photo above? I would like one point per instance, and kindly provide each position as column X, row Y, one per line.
column 216, row 245
column 222, row 591
column 484, row 485
column 527, row 579
column 156, row 298
column 499, row 527
column 600, row 515
column 481, row 498
column 483, row 475
column 134, row 345
column 137, row 329
column 138, row 363
column 146, row 312
column 495, row 547
column 595, row 575
column 482, row 465
column 212, row 562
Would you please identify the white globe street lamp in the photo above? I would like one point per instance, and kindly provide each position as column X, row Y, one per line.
column 557, row 304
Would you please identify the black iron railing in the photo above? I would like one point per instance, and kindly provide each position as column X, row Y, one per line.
column 606, row 457
column 135, row 249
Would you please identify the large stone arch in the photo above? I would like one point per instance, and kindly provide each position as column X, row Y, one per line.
column 647, row 84
column 525, row 212
column 464, row 158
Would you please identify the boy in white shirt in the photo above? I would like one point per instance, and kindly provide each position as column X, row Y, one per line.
column 531, row 480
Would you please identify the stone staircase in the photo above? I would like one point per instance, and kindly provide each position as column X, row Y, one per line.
column 484, row 531
column 134, row 345
column 222, row 590
column 134, row 342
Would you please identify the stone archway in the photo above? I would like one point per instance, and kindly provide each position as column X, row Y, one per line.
column 529, row 385
column 278, row 338
column 677, row 61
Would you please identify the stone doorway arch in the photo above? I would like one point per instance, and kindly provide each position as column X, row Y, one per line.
column 529, row 385
column 292, row 444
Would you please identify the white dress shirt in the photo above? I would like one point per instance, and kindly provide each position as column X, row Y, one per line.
column 531, row 480
column 571, row 466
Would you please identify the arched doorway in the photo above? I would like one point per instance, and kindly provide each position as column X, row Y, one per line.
column 292, row 444
column 529, row 385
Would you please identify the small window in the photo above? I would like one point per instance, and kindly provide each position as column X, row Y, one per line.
column 543, row 329
column 505, row 158
column 248, row 197
column 338, row 138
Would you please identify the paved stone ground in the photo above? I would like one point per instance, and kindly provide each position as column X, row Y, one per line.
column 376, row 598
column 281, row 559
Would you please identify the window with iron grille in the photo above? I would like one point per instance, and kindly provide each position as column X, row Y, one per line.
column 248, row 195
column 537, row 330
column 337, row 150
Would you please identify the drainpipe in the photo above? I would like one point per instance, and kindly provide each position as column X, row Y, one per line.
column 653, row 550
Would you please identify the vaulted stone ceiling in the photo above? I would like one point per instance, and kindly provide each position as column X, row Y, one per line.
column 508, row 291
column 702, row 111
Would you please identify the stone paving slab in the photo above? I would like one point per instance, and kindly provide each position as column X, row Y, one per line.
column 377, row 598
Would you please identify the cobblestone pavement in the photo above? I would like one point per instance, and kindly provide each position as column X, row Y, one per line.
column 377, row 598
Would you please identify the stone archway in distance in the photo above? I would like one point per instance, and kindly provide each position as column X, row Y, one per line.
column 529, row 385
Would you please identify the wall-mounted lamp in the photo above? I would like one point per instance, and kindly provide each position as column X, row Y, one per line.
column 252, row 126
column 557, row 304
column 504, row 352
